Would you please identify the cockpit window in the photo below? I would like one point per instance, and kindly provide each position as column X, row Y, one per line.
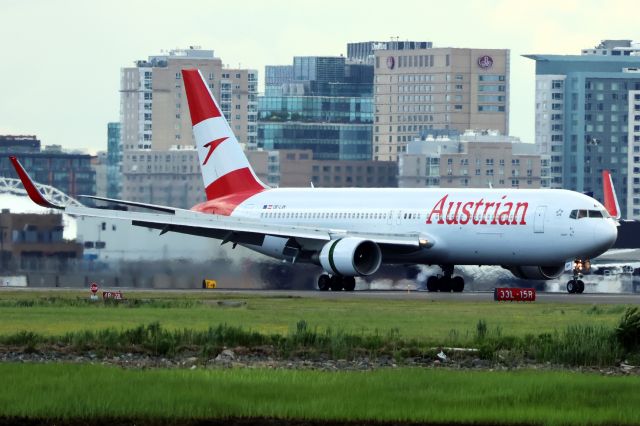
column 581, row 214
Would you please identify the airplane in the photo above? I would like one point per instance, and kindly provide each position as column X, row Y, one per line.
column 351, row 232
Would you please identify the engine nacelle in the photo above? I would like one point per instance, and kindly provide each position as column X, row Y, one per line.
column 351, row 257
column 536, row 272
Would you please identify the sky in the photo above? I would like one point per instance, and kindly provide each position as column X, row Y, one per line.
column 61, row 59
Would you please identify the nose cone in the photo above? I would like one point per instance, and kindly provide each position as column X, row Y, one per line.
column 605, row 235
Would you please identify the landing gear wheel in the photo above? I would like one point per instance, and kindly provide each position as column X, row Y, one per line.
column 457, row 284
column 572, row 286
column 580, row 288
column 336, row 283
column 445, row 285
column 324, row 282
column 432, row 283
column 349, row 283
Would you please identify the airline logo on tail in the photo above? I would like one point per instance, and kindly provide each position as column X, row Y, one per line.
column 226, row 172
column 212, row 145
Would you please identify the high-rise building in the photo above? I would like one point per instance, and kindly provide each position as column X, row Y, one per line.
column 437, row 88
column 327, row 108
column 114, row 161
column 633, row 156
column 275, row 77
column 325, row 69
column 160, row 163
column 364, row 51
column 584, row 112
column 70, row 172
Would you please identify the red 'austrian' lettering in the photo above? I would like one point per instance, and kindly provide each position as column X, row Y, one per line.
column 478, row 212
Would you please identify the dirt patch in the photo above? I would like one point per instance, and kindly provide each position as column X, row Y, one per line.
column 266, row 357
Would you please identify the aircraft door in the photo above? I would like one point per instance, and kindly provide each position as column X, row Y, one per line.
column 390, row 218
column 399, row 216
column 538, row 220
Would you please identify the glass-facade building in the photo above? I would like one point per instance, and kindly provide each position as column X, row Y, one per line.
column 276, row 75
column 328, row 141
column 319, row 68
column 324, row 109
column 327, row 108
column 114, row 161
column 582, row 120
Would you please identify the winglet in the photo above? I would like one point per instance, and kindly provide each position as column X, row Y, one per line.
column 32, row 191
column 610, row 199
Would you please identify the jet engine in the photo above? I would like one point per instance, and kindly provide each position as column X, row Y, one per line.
column 351, row 257
column 536, row 272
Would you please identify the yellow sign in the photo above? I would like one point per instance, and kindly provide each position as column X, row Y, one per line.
column 209, row 283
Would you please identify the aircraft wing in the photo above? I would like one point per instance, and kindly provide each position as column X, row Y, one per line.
column 225, row 228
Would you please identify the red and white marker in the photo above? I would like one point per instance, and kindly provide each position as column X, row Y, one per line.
column 94, row 288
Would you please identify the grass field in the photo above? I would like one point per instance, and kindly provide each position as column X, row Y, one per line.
column 91, row 392
column 412, row 319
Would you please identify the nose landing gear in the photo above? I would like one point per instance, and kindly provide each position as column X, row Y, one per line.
column 445, row 282
column 575, row 284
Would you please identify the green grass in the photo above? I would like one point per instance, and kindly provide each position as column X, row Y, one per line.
column 575, row 346
column 198, row 311
column 91, row 391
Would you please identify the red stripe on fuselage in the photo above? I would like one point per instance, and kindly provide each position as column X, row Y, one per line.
column 228, row 191
column 201, row 104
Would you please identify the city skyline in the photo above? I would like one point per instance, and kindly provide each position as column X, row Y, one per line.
column 61, row 81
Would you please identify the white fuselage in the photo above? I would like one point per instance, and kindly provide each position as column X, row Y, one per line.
column 463, row 226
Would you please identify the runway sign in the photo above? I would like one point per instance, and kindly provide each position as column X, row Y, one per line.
column 116, row 295
column 514, row 294
column 94, row 288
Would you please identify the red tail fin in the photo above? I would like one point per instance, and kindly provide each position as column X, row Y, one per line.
column 610, row 199
column 225, row 169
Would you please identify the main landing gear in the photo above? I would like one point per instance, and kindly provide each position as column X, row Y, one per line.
column 575, row 284
column 445, row 282
column 336, row 283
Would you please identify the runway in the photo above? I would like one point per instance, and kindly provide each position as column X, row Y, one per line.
column 382, row 295
column 594, row 298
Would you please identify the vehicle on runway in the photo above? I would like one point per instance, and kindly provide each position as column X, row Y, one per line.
column 350, row 232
